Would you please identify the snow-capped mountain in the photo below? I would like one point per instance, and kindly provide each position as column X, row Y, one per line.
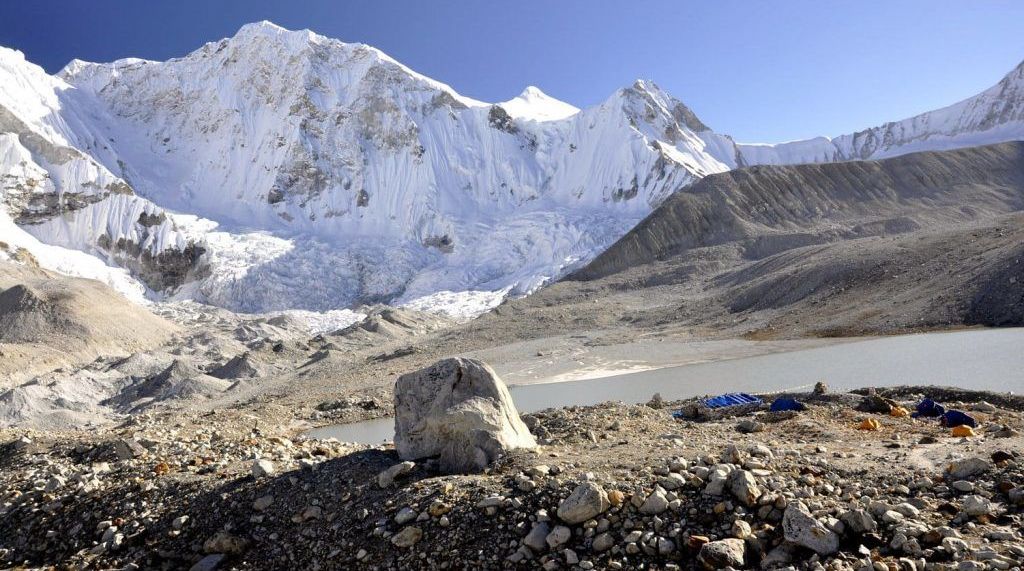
column 993, row 116
column 282, row 169
column 338, row 176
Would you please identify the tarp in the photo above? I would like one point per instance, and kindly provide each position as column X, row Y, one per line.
column 929, row 409
column 954, row 418
column 730, row 399
column 783, row 404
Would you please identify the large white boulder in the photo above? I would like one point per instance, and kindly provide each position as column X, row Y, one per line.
column 460, row 410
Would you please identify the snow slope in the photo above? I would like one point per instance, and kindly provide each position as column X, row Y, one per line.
column 281, row 169
column 59, row 194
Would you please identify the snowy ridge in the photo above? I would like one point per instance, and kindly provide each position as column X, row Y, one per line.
column 280, row 170
column 995, row 115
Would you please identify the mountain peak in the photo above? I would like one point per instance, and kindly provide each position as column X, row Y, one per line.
column 263, row 27
column 535, row 105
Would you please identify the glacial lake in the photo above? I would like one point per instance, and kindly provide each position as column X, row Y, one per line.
column 991, row 359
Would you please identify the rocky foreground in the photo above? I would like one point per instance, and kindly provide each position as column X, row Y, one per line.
column 610, row 487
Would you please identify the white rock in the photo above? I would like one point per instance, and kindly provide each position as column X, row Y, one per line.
column 976, row 505
column 743, row 485
column 655, row 503
column 460, row 410
column 261, row 468
column 587, row 501
column 800, row 527
column 967, row 468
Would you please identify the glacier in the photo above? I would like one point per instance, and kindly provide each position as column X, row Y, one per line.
column 283, row 170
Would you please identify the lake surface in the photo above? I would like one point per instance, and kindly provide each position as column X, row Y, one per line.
column 983, row 360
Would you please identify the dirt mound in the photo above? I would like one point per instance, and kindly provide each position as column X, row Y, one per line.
column 243, row 366
column 48, row 320
column 385, row 324
column 35, row 314
column 179, row 380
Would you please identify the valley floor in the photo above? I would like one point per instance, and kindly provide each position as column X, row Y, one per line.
column 180, row 491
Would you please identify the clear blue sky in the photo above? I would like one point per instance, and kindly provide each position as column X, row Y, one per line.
column 762, row 71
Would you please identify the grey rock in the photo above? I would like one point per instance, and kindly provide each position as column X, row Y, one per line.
column 407, row 537
column 387, row 477
column 800, row 527
column 603, row 542
column 859, row 521
column 458, row 409
column 537, row 538
column 723, row 553
column 743, row 485
column 128, row 448
column 967, row 468
column 587, row 501
column 558, row 536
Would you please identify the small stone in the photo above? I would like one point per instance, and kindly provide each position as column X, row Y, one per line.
column 603, row 542
column 859, row 521
column 387, row 477
column 696, row 541
column 539, row 471
column 405, row 515
column 224, row 542
column 975, row 506
column 407, row 537
column 261, row 468
column 743, row 485
column 800, row 527
column 438, row 508
column 655, row 503
column 748, row 426
column 128, row 448
column 963, row 486
column 587, row 501
column 740, row 529
column 537, row 538
column 558, row 536
column 263, row 502
column 721, row 554
column 892, row 516
column 967, row 468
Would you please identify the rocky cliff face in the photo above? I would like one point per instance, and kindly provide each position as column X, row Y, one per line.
column 59, row 194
